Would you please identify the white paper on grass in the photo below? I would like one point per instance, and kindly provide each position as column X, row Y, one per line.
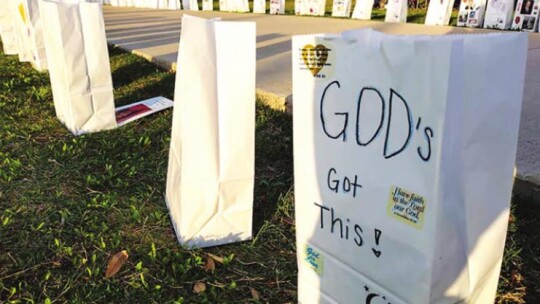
column 471, row 13
column 394, row 158
column 277, row 7
column 211, row 162
column 313, row 7
column 129, row 113
column 526, row 15
column 499, row 14
column 8, row 31
column 78, row 62
column 341, row 8
column 396, row 11
column 207, row 5
column 363, row 9
column 259, row 6
column 439, row 12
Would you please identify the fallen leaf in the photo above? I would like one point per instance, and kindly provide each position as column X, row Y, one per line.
column 209, row 265
column 255, row 294
column 215, row 258
column 199, row 287
column 115, row 263
column 288, row 220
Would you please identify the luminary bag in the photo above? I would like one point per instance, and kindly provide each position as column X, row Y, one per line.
column 277, row 7
column 439, row 12
column 78, row 62
column 499, row 14
column 18, row 12
column 7, row 29
column 471, row 13
column 526, row 15
column 210, row 177
column 341, row 8
column 33, row 33
column 403, row 161
column 362, row 9
column 396, row 11
column 313, row 7
column 207, row 5
column 259, row 6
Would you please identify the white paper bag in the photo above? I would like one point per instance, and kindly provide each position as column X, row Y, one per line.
column 277, row 7
column 396, row 11
column 526, row 15
column 19, row 24
column 499, row 14
column 208, row 5
column 33, row 33
column 313, row 7
column 173, row 4
column 298, row 7
column 191, row 5
column 210, row 177
column 439, row 12
column 7, row 29
column 259, row 6
column 363, row 9
column 78, row 63
column 341, row 8
column 471, row 13
column 403, row 177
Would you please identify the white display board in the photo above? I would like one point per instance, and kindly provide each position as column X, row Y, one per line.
column 210, row 177
column 396, row 11
column 526, row 16
column 471, row 13
column 396, row 196
column 439, row 12
column 499, row 14
column 362, row 9
column 341, row 8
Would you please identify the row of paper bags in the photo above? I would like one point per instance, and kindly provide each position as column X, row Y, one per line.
column 404, row 148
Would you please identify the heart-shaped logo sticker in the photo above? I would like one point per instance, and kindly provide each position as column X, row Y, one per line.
column 315, row 57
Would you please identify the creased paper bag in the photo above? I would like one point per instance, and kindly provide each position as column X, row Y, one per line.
column 78, row 62
column 403, row 161
column 210, row 177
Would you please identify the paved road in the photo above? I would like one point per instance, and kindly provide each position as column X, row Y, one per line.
column 155, row 34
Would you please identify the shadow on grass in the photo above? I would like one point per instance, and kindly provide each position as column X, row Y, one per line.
column 273, row 162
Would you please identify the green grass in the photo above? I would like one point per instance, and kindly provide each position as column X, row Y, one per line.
column 67, row 204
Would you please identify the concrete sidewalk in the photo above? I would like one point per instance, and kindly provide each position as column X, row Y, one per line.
column 154, row 34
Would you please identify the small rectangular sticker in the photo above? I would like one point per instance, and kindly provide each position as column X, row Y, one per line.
column 406, row 206
column 314, row 259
